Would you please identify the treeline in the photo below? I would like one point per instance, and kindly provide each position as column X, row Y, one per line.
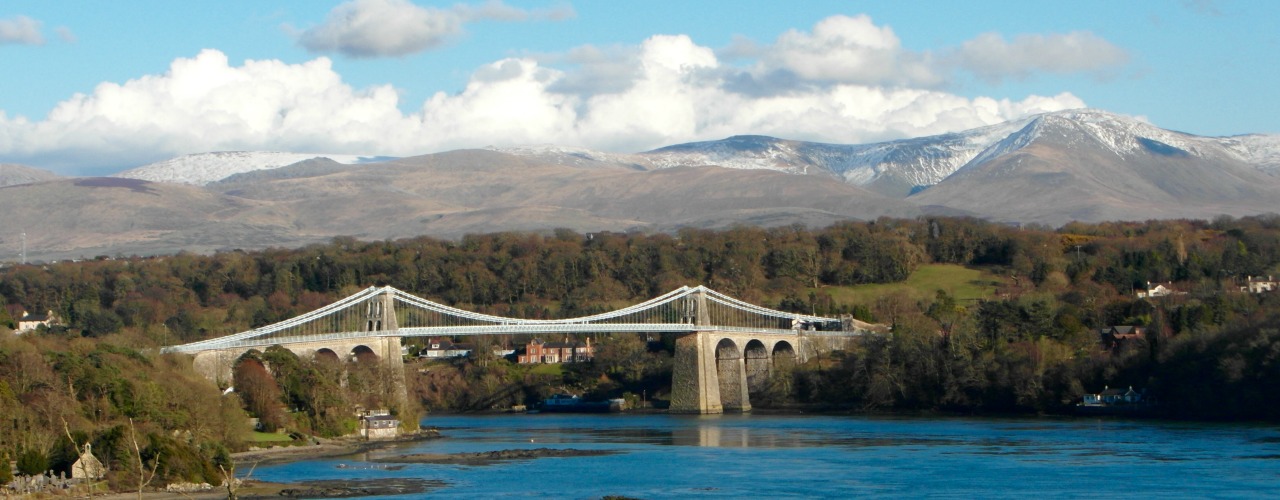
column 189, row 297
column 1032, row 346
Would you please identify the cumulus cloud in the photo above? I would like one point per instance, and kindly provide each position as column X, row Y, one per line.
column 20, row 30
column 667, row 89
column 383, row 28
column 850, row 50
column 205, row 104
column 992, row 58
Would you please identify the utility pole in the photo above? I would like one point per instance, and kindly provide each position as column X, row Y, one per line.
column 24, row 247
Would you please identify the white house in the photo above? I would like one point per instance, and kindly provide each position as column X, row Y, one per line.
column 1160, row 290
column 1258, row 284
column 379, row 424
column 29, row 321
column 440, row 347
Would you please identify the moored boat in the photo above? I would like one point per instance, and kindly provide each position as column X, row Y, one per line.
column 571, row 403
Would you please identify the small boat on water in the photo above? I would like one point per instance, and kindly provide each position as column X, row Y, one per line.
column 571, row 403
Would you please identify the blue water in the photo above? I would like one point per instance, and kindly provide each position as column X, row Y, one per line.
column 802, row 456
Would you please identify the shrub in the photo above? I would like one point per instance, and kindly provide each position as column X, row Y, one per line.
column 32, row 463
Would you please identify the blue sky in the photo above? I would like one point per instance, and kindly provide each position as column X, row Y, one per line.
column 94, row 87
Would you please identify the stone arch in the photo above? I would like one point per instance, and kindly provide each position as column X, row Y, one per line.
column 784, row 356
column 733, row 376
column 326, row 355
column 363, row 354
column 757, row 365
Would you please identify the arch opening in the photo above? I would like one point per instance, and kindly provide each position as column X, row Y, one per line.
column 784, row 356
column 326, row 355
column 363, row 354
column 733, row 377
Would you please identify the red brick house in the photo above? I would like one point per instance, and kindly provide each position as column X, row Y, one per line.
column 538, row 351
column 1112, row 337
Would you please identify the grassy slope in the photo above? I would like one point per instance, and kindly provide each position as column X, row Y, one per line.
column 962, row 282
column 270, row 437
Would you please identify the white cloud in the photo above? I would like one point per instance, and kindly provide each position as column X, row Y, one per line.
column 20, row 30
column 849, row 50
column 854, row 50
column 992, row 58
column 385, row 28
column 378, row 28
column 205, row 104
column 666, row 90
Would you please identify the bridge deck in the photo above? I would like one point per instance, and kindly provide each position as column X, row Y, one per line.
column 387, row 312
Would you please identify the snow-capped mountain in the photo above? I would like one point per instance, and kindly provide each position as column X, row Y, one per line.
column 1092, row 165
column 1082, row 165
column 901, row 167
column 894, row 168
column 203, row 168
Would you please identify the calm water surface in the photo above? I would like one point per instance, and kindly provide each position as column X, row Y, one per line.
column 802, row 456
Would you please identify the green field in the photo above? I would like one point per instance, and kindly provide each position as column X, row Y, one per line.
column 547, row 369
column 270, row 437
column 962, row 282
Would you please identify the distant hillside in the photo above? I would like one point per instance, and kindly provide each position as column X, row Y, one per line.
column 91, row 216
column 11, row 174
column 446, row 195
column 1084, row 165
column 203, row 168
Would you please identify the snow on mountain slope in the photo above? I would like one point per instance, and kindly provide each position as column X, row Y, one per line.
column 901, row 167
column 1126, row 137
column 1122, row 135
column 573, row 156
column 204, row 168
column 893, row 168
column 1258, row 149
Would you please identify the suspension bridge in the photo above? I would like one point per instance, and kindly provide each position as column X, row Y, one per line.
column 725, row 347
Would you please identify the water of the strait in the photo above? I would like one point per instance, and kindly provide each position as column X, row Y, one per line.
column 809, row 456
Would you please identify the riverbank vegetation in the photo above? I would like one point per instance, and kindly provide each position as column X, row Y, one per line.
column 1016, row 332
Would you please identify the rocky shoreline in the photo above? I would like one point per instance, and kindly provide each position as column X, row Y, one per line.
column 323, row 448
column 343, row 488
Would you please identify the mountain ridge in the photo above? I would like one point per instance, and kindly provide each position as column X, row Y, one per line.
column 1051, row 168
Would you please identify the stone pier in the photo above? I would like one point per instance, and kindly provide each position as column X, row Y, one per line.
column 714, row 371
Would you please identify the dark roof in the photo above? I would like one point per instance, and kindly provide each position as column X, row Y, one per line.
column 35, row 317
column 562, row 345
column 380, row 417
column 449, row 346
